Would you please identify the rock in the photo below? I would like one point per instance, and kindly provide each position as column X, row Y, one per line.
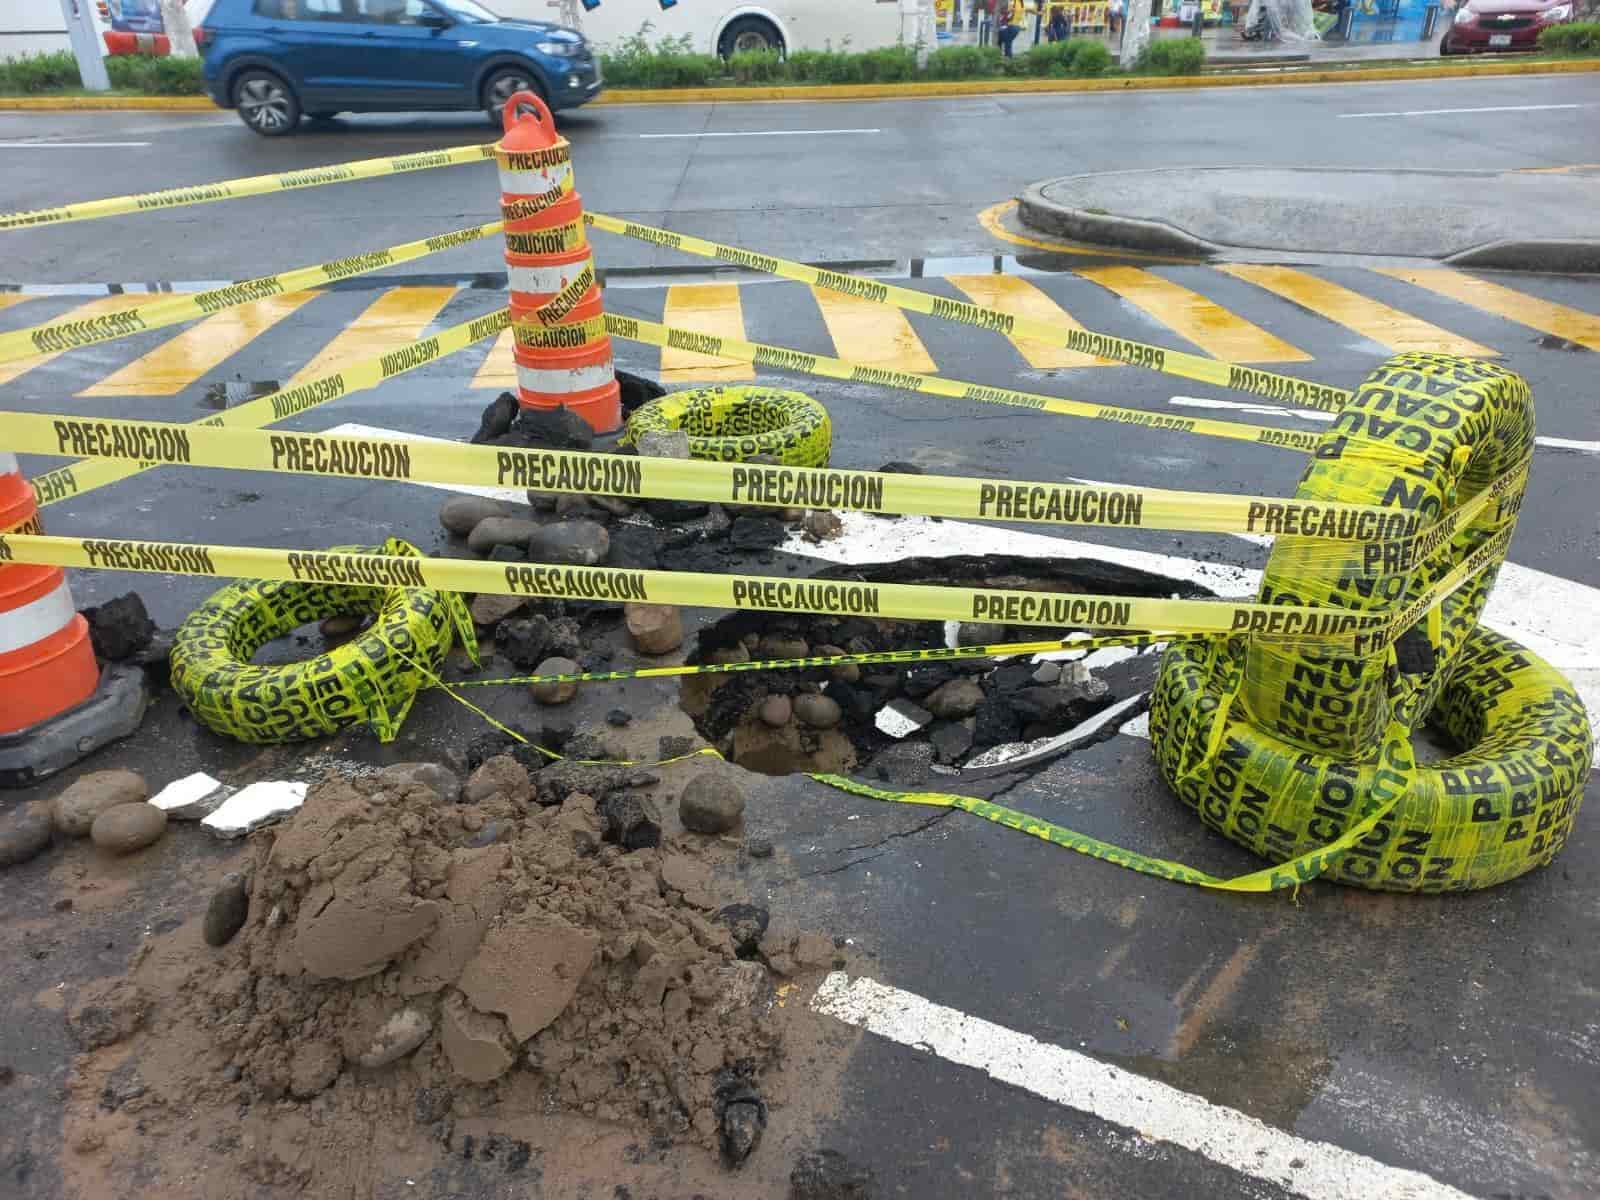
column 655, row 628
column 508, row 554
column 574, row 543
column 440, row 780
column 924, row 678
column 488, row 610
column 501, row 775
column 496, row 419
column 813, row 950
column 1080, row 685
column 542, row 501
column 400, row 1035
column 635, row 548
column 899, row 467
column 461, row 514
column 619, row 718
column 822, row 526
column 952, row 740
column 226, row 913
column 996, row 723
column 727, row 655
column 614, row 505
column 551, row 428
column 977, row 633
column 566, row 639
column 191, row 798
column 24, row 833
column 780, row 645
column 663, row 443
column 106, row 1013
column 857, row 703
column 75, row 809
column 128, row 827
column 630, row 821
column 575, row 506
column 747, row 923
column 1048, row 673
column 756, row 533
column 954, row 700
column 758, row 847
column 903, row 764
column 829, row 1175
column 524, row 641
column 251, row 807
column 711, row 803
column 500, row 531
column 475, row 1044
column 636, row 390
column 122, row 1086
column 817, row 711
column 119, row 628
column 776, row 711
column 676, row 512
column 1047, row 705
column 901, row 718
column 738, row 985
column 341, row 625
column 555, row 692
column 848, row 673
column 742, row 1124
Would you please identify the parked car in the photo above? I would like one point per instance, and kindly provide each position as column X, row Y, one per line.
column 1481, row 25
column 275, row 60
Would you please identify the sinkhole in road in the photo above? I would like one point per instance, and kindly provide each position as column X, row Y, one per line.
column 899, row 723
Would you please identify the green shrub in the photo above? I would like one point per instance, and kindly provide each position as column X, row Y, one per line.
column 1583, row 37
column 32, row 73
column 1172, row 56
column 1050, row 58
column 672, row 62
column 1091, row 59
column 757, row 66
column 824, row 66
column 165, row 76
column 891, row 64
column 964, row 62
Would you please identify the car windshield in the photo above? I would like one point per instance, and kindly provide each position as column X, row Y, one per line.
column 471, row 12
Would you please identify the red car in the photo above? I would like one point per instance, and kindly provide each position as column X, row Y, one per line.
column 1481, row 25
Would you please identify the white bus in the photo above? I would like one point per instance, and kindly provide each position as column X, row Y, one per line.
column 726, row 26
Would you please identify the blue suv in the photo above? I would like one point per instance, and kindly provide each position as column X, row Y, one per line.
column 275, row 60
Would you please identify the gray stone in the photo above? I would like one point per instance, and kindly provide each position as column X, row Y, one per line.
column 711, row 803
column 226, row 913
column 758, row 847
column 727, row 655
column 119, row 628
column 663, row 443
column 747, row 924
column 776, row 711
column 501, row 775
column 655, row 628
column 488, row 610
column 976, row 633
column 904, row 764
column 954, row 700
column 902, row 718
column 441, row 780
column 742, row 1124
column 819, row 712
column 780, row 645
column 573, row 506
column 400, row 1035
column 822, row 525
column 1048, row 673
column 1079, row 684
column 542, row 501
column 461, row 514
column 574, row 543
column 555, row 693
column 524, row 641
column 74, row 810
column 630, row 821
column 614, row 505
column 951, row 741
column 24, row 833
column 756, row 533
column 500, row 531
column 128, row 827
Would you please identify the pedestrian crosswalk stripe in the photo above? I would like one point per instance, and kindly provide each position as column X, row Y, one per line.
column 1389, row 327
column 7, row 299
column 870, row 333
column 499, row 369
column 18, row 366
column 1014, row 295
column 200, row 348
column 398, row 316
column 705, row 308
column 1571, row 324
column 1219, row 332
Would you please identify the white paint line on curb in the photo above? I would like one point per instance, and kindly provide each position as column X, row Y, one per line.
column 759, row 133
column 1155, row 1111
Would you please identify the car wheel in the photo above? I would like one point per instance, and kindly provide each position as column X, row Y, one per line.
column 747, row 34
column 504, row 84
column 265, row 103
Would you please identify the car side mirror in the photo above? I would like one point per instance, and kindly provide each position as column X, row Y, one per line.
column 434, row 19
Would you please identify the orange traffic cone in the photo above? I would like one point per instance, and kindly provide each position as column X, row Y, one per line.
column 565, row 360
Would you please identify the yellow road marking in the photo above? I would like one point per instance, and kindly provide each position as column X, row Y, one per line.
column 1016, row 296
column 1389, row 327
column 499, row 369
column 7, row 299
column 706, row 308
column 175, row 364
column 1220, row 333
column 105, row 304
column 993, row 220
column 1573, row 324
column 872, row 333
column 398, row 316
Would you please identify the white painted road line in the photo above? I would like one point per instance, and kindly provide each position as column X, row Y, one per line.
column 1445, row 112
column 1155, row 1111
column 760, row 133
column 67, row 145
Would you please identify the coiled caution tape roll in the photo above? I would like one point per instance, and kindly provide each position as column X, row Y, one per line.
column 1274, row 748
column 90, row 331
column 1286, row 389
column 374, row 677
column 735, row 424
column 254, row 185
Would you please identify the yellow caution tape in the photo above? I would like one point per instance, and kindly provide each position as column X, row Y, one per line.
column 53, row 336
column 254, row 185
column 1286, row 389
column 634, row 477
column 1335, row 629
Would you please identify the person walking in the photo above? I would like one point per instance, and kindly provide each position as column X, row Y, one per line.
column 1059, row 29
column 1008, row 24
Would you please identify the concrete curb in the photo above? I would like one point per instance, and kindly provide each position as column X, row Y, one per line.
column 904, row 91
column 1556, row 257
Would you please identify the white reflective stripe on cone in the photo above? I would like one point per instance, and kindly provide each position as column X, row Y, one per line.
column 37, row 619
column 8, row 463
column 533, row 183
column 564, row 380
column 545, row 281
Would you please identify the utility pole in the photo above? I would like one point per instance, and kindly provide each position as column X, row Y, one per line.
column 85, row 44
column 180, row 34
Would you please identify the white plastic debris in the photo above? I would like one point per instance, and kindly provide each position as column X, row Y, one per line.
column 901, row 718
column 252, row 807
column 192, row 797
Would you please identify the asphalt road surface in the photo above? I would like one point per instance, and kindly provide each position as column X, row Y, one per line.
column 1369, row 1035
